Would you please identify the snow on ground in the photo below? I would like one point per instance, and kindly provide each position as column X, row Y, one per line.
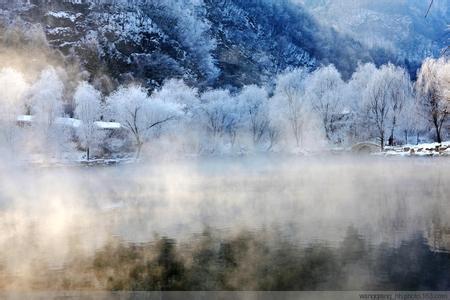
column 59, row 30
column 64, row 15
column 425, row 149
column 75, row 158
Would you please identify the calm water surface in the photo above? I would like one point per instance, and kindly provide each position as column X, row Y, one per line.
column 46, row 213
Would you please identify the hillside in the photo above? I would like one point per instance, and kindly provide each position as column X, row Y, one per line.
column 398, row 26
column 209, row 43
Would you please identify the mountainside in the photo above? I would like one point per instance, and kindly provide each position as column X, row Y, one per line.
column 398, row 26
column 209, row 42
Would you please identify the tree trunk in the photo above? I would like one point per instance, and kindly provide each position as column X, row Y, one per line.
column 391, row 137
column 391, row 140
column 406, row 136
column 87, row 153
column 438, row 133
column 138, row 152
column 382, row 142
column 297, row 138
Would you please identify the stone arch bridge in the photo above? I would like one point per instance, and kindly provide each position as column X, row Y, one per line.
column 365, row 147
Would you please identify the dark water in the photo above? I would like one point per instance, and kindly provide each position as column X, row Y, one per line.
column 260, row 223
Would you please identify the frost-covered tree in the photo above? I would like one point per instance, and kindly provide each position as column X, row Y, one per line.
column 45, row 100
column 290, row 102
column 13, row 88
column 193, row 32
column 220, row 114
column 411, row 123
column 254, row 107
column 176, row 91
column 188, row 127
column 46, row 97
column 324, row 91
column 433, row 92
column 399, row 93
column 88, row 110
column 140, row 114
column 385, row 96
column 376, row 98
column 358, row 126
column 379, row 96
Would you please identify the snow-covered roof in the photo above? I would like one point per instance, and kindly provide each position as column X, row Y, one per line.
column 108, row 125
column 70, row 122
column 346, row 111
column 25, row 118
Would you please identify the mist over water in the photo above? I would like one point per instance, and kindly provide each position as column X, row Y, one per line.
column 51, row 215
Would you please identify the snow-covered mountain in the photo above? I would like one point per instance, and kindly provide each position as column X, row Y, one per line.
column 209, row 42
column 399, row 26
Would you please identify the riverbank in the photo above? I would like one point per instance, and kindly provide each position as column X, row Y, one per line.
column 421, row 150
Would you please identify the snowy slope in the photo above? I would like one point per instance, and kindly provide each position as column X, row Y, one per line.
column 399, row 26
column 209, row 42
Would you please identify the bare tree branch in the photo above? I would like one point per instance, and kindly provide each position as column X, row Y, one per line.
column 445, row 50
column 161, row 122
column 429, row 7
